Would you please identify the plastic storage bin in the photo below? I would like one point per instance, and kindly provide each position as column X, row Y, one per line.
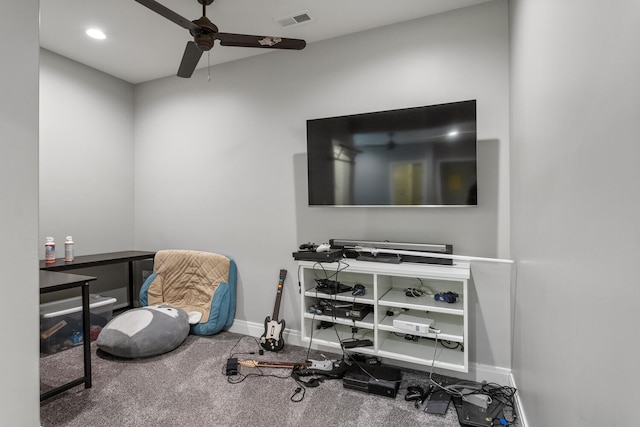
column 61, row 321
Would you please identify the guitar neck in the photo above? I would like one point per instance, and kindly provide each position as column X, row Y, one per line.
column 276, row 307
column 261, row 364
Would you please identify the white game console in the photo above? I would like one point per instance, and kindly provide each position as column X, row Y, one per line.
column 413, row 325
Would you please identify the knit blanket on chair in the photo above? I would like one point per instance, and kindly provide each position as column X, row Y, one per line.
column 188, row 279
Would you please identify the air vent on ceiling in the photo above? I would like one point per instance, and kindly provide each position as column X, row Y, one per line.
column 297, row 18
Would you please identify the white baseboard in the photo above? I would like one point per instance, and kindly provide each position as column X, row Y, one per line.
column 251, row 328
column 490, row 374
column 477, row 372
column 254, row 329
column 522, row 419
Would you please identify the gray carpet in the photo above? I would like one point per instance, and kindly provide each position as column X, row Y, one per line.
column 188, row 387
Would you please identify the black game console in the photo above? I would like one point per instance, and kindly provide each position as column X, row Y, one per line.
column 331, row 287
column 331, row 255
column 346, row 310
column 374, row 379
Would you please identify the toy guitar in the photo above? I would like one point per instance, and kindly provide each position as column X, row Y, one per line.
column 272, row 339
column 316, row 365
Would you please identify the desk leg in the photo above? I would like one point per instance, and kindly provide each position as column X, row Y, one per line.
column 130, row 284
column 86, row 334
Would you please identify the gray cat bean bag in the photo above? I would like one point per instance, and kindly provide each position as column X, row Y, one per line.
column 144, row 332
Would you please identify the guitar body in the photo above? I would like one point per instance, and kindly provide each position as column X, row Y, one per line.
column 272, row 339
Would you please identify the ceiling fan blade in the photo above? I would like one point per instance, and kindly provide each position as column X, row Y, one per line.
column 190, row 59
column 269, row 42
column 169, row 14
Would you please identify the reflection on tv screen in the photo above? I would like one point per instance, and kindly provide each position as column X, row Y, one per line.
column 423, row 156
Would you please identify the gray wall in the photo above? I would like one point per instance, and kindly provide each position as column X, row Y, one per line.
column 19, row 393
column 221, row 165
column 576, row 209
column 86, row 157
column 86, row 167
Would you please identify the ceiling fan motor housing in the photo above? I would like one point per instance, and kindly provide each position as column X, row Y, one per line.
column 203, row 37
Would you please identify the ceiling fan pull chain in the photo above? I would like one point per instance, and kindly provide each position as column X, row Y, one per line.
column 209, row 66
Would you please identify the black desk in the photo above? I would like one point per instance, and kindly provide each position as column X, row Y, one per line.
column 101, row 259
column 50, row 282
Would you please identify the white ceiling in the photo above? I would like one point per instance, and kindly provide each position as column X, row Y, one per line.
column 142, row 45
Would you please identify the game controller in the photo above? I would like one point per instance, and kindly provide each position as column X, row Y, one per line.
column 448, row 297
column 324, row 247
column 418, row 395
column 366, row 359
column 414, row 393
column 316, row 309
column 358, row 290
column 413, row 292
column 308, row 246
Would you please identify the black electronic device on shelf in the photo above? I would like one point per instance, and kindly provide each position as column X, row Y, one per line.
column 310, row 255
column 331, row 287
column 345, row 310
column 386, row 258
column 348, row 344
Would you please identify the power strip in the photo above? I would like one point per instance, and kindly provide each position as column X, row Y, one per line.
column 477, row 399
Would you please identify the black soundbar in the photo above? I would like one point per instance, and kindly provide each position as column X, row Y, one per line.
column 420, row 247
column 353, row 248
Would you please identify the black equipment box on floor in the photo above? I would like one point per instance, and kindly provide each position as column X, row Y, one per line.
column 374, row 379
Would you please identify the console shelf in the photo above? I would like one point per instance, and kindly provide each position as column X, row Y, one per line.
column 397, row 298
column 450, row 328
column 343, row 296
column 367, row 322
column 385, row 286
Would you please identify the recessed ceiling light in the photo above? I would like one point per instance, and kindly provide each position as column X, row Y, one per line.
column 94, row 33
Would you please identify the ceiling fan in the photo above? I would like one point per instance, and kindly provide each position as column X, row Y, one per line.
column 390, row 145
column 204, row 34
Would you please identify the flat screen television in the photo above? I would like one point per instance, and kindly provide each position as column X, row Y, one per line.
column 422, row 156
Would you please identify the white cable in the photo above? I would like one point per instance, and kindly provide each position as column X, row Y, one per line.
column 375, row 251
column 448, row 389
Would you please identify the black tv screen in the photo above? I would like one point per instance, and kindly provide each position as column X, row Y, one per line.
column 422, row 156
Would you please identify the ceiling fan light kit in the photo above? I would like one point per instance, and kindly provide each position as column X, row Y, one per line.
column 205, row 33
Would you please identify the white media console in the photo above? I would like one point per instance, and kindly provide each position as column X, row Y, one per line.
column 385, row 286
